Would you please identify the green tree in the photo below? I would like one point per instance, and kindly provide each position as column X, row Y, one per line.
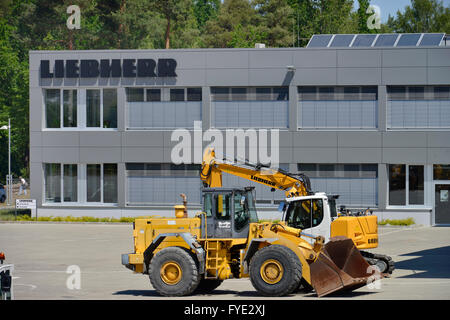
column 322, row 17
column 173, row 11
column 205, row 10
column 134, row 25
column 13, row 98
column 277, row 19
column 362, row 17
column 422, row 16
column 236, row 25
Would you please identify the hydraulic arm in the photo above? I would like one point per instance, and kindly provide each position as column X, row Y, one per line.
column 212, row 168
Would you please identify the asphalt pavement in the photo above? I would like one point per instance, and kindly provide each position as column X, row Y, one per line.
column 83, row 261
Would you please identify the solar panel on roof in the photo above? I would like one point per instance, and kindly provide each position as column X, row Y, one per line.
column 408, row 40
column 380, row 40
column 342, row 40
column 319, row 41
column 386, row 40
column 364, row 40
column 432, row 39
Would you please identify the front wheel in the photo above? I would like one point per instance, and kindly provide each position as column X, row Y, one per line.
column 275, row 271
column 173, row 272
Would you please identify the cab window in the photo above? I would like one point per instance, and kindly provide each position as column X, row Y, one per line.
column 207, row 204
column 222, row 206
column 305, row 214
column 241, row 211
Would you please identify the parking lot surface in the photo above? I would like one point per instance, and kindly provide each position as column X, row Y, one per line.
column 46, row 256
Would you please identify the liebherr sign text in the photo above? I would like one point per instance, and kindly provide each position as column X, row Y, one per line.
column 105, row 68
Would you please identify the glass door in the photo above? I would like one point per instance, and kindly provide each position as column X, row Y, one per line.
column 442, row 203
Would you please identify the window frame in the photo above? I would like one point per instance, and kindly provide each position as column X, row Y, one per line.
column 338, row 93
column 408, row 93
column 102, row 185
column 81, row 109
column 407, row 205
column 81, row 187
column 62, row 202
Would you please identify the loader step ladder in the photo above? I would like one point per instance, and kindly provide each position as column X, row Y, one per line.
column 212, row 259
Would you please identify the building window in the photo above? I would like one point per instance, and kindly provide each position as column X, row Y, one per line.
column 134, row 94
column 163, row 108
column 110, row 183
column 194, row 94
column 109, row 108
column 176, row 94
column 79, row 183
column 60, row 179
column 326, row 107
column 406, row 185
column 70, row 108
column 52, row 180
column 356, row 184
column 101, row 108
column 70, row 182
column 441, row 172
column 52, row 108
column 153, row 95
column 101, row 183
column 424, row 107
column 92, row 108
column 55, row 108
column 162, row 183
column 63, row 108
column 250, row 107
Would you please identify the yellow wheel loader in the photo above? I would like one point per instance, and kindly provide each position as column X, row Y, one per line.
column 184, row 256
column 313, row 212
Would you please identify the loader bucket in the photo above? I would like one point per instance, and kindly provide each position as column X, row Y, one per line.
column 340, row 266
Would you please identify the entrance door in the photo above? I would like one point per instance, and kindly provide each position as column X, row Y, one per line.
column 442, row 203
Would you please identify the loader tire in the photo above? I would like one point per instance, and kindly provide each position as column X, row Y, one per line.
column 173, row 272
column 275, row 271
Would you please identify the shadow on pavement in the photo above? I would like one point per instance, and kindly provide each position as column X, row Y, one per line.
column 137, row 293
column 255, row 294
column 430, row 263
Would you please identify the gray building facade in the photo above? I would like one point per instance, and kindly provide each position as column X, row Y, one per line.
column 370, row 124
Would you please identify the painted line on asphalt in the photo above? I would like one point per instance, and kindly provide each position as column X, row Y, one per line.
column 32, row 286
column 401, row 230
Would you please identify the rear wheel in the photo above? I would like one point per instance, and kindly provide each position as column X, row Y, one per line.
column 2, row 199
column 173, row 272
column 275, row 271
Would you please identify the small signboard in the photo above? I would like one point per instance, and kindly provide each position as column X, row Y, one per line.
column 25, row 203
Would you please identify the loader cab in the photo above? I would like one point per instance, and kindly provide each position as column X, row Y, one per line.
column 229, row 212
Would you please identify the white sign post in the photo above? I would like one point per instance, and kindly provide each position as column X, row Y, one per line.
column 27, row 204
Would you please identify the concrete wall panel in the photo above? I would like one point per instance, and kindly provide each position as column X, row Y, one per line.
column 355, row 58
column 315, row 155
column 59, row 154
column 100, row 139
column 405, row 155
column 100, row 155
column 401, row 57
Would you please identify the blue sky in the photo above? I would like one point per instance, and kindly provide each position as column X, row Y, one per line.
column 390, row 7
